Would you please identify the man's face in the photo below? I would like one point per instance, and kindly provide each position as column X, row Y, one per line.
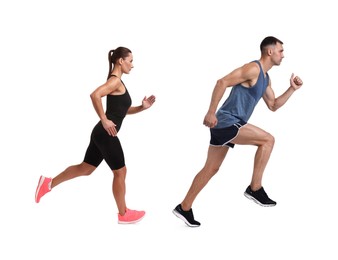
column 277, row 54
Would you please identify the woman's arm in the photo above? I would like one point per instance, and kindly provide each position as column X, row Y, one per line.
column 146, row 103
column 96, row 96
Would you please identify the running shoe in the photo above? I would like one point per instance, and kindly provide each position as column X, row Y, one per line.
column 131, row 216
column 186, row 216
column 260, row 197
column 44, row 187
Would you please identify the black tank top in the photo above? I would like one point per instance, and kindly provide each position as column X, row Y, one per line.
column 117, row 106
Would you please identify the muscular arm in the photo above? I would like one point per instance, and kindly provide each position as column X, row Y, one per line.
column 107, row 88
column 274, row 103
column 246, row 75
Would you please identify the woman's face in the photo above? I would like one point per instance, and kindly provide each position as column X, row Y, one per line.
column 127, row 64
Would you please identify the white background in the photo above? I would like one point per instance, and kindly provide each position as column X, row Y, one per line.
column 54, row 54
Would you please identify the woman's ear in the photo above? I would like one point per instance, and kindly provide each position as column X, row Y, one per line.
column 120, row 61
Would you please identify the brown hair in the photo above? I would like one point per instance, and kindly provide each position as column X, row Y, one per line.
column 115, row 55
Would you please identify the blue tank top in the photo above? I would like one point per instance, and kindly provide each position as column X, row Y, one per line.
column 242, row 101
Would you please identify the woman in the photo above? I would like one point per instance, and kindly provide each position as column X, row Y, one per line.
column 104, row 143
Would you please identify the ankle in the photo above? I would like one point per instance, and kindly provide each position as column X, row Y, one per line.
column 185, row 207
column 255, row 187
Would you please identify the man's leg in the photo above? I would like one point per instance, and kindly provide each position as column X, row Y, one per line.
column 216, row 155
column 214, row 160
column 252, row 135
column 264, row 141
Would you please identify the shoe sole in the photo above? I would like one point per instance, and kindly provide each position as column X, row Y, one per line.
column 256, row 201
column 130, row 222
column 41, row 180
column 177, row 214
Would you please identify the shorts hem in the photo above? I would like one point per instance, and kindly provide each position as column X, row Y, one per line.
column 228, row 143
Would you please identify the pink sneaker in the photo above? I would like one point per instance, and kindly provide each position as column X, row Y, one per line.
column 43, row 187
column 131, row 216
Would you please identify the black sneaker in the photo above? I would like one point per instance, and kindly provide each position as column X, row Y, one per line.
column 260, row 197
column 186, row 216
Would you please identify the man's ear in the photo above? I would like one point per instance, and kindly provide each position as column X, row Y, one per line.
column 269, row 51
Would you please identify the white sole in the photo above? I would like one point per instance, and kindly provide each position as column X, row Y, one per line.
column 130, row 222
column 257, row 202
column 177, row 214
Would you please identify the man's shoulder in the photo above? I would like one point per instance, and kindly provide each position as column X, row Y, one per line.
column 252, row 67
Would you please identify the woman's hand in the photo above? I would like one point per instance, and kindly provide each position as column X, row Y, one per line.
column 109, row 126
column 148, row 102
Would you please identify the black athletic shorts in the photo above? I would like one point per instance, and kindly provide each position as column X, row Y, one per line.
column 224, row 136
column 102, row 146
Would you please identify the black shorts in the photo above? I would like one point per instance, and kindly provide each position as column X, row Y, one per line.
column 224, row 136
column 102, row 146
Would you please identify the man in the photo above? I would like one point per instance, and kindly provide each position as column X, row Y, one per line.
column 228, row 125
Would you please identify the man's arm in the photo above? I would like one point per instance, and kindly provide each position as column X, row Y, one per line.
column 246, row 75
column 275, row 103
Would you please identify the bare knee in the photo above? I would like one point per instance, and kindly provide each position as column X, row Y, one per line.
column 86, row 168
column 269, row 141
column 211, row 170
column 120, row 173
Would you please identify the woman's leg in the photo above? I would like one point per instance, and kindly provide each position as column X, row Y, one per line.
column 119, row 189
column 45, row 184
column 82, row 169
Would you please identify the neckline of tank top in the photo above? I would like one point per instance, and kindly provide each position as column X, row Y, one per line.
column 113, row 75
